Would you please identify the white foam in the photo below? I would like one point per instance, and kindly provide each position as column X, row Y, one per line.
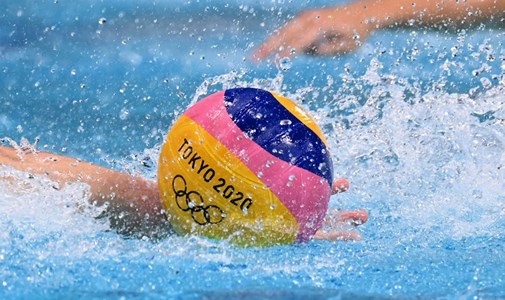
column 431, row 161
column 425, row 158
column 33, row 208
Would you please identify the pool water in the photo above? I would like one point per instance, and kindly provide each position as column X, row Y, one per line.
column 415, row 119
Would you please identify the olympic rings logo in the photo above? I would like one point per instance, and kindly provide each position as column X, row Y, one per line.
column 192, row 201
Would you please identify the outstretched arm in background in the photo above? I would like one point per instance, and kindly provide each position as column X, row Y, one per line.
column 133, row 198
column 342, row 29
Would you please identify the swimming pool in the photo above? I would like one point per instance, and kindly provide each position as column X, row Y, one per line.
column 415, row 118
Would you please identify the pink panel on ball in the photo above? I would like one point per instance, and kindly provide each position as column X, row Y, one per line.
column 305, row 194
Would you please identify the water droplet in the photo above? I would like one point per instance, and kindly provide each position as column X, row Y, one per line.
column 124, row 114
column 285, row 63
column 102, row 21
column 285, row 122
column 486, row 83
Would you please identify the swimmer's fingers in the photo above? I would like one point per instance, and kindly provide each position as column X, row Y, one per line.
column 336, row 44
column 339, row 225
column 295, row 37
column 340, row 185
column 337, row 235
column 355, row 217
column 335, row 218
column 271, row 45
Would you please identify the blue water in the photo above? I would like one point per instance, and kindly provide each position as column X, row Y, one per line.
column 415, row 119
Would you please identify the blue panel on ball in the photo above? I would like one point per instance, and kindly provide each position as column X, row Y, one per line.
column 269, row 124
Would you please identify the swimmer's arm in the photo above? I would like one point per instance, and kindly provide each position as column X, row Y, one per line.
column 344, row 28
column 124, row 193
column 387, row 13
column 139, row 198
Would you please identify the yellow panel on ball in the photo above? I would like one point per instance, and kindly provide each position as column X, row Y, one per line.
column 207, row 190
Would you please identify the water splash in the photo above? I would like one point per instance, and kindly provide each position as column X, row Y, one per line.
column 423, row 157
column 235, row 79
column 427, row 158
column 427, row 164
column 35, row 208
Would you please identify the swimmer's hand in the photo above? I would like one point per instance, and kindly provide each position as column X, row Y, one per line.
column 327, row 31
column 339, row 225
